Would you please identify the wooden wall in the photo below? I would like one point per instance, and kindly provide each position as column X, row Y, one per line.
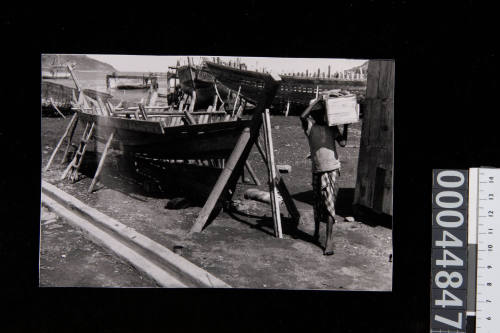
column 374, row 182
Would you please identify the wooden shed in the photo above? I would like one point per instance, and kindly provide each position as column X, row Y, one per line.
column 374, row 182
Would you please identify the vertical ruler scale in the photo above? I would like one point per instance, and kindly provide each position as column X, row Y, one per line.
column 488, row 249
column 472, row 249
column 449, row 251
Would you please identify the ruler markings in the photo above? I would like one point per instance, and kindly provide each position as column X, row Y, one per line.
column 488, row 293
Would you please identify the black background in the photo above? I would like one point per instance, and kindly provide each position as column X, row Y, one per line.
column 445, row 117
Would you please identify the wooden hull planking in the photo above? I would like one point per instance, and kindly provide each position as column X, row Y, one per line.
column 202, row 141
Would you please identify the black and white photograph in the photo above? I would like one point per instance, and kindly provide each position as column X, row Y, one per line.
column 216, row 172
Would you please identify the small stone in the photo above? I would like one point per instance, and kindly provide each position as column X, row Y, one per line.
column 276, row 127
column 64, row 256
column 349, row 219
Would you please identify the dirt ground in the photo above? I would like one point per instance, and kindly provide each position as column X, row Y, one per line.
column 239, row 246
column 68, row 259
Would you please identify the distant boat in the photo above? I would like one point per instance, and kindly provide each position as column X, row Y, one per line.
column 130, row 80
column 56, row 70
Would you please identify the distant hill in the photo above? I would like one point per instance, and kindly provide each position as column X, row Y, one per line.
column 83, row 63
column 363, row 66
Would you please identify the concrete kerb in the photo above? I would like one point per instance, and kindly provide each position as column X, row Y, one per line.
column 102, row 238
column 180, row 265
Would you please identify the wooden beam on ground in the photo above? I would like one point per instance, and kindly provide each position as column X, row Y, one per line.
column 71, row 124
column 101, row 162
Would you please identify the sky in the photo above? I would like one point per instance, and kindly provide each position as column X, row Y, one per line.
column 140, row 63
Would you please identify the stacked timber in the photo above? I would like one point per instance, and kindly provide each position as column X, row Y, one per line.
column 375, row 164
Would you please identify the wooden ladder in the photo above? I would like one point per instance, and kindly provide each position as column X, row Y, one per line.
column 75, row 164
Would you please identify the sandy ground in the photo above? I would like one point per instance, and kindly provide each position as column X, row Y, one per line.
column 239, row 246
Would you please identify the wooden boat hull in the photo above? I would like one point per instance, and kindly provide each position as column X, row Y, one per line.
column 302, row 90
column 251, row 83
column 62, row 95
column 294, row 89
column 151, row 138
column 202, row 81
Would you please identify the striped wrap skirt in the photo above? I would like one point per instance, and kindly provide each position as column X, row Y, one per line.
column 325, row 191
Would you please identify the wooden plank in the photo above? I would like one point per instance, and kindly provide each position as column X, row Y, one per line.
column 70, row 126
column 190, row 118
column 157, row 114
column 73, row 76
column 282, row 188
column 129, row 124
column 272, row 176
column 143, row 112
column 102, row 106
column 56, row 108
column 193, row 101
column 287, row 108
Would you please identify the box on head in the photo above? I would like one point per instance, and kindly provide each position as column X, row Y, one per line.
column 341, row 107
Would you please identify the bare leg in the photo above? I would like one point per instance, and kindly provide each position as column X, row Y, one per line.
column 316, row 229
column 329, row 237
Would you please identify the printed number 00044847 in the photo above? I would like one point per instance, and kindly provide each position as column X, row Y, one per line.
column 449, row 204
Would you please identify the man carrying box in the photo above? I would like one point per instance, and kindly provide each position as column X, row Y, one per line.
column 325, row 166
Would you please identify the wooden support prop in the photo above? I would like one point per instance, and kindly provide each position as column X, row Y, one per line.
column 77, row 83
column 102, row 106
column 69, row 128
column 272, row 177
column 111, row 108
column 55, row 107
column 252, row 173
column 152, row 97
column 190, row 119
column 101, row 162
column 73, row 96
column 143, row 112
column 227, row 179
column 285, row 194
column 262, row 153
column 236, row 100
column 193, row 101
column 287, row 108
column 68, row 144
